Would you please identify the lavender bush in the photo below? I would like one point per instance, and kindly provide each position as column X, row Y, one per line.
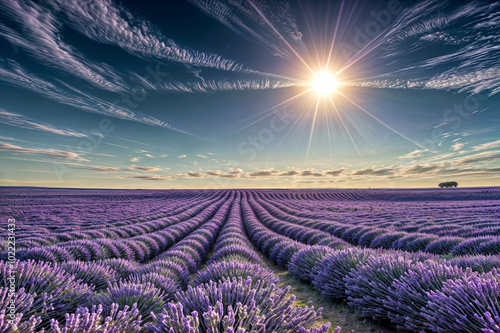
column 368, row 286
column 226, row 271
column 330, row 273
column 305, row 262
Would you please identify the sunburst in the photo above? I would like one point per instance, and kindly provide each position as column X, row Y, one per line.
column 324, row 83
column 327, row 85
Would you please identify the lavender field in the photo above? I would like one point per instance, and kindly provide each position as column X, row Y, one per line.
column 195, row 261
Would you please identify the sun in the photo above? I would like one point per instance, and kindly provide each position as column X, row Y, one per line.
column 324, row 83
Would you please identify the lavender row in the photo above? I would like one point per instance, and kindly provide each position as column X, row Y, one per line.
column 221, row 290
column 233, row 255
column 135, row 290
column 374, row 237
column 138, row 248
column 296, row 232
column 278, row 248
column 411, row 292
column 450, row 218
column 123, row 229
column 235, row 284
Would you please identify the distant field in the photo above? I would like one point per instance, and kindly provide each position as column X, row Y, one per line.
column 412, row 259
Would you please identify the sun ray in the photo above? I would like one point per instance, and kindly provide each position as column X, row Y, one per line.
column 346, row 129
column 334, row 36
column 375, row 40
column 327, row 121
column 313, row 40
column 291, row 128
column 312, row 128
column 381, row 122
column 279, row 35
column 269, row 109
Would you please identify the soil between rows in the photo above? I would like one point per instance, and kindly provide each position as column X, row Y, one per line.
column 337, row 313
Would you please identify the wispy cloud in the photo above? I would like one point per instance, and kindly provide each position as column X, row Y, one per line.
column 109, row 23
column 295, row 173
column 10, row 139
column 415, row 154
column 212, row 173
column 374, row 172
column 12, row 73
column 182, row 156
column 463, row 45
column 42, row 152
column 40, row 37
column 18, row 120
column 487, row 145
column 149, row 177
column 457, row 146
column 93, row 168
column 196, row 174
column 264, row 173
column 478, row 131
column 242, row 18
column 142, row 168
column 486, row 156
column 211, row 86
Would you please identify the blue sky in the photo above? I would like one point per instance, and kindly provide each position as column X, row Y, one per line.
column 220, row 94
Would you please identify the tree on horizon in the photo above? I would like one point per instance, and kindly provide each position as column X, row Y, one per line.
column 448, row 184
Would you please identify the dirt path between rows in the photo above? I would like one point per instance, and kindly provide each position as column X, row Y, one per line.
column 337, row 313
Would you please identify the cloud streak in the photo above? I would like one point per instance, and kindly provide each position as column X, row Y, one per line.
column 40, row 37
column 12, row 73
column 18, row 120
column 108, row 23
column 244, row 20
column 487, row 145
column 149, row 177
column 461, row 39
column 212, row 86
column 142, row 168
column 54, row 153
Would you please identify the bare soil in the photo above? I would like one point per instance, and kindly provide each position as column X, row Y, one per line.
column 337, row 313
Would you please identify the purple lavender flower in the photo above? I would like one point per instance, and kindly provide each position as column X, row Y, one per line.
column 305, row 262
column 226, row 271
column 168, row 286
column 468, row 304
column 93, row 320
column 234, row 305
column 368, row 285
column 55, row 291
column 122, row 267
column 330, row 273
column 410, row 293
column 146, row 297
column 90, row 273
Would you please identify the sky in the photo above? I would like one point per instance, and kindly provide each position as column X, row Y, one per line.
column 249, row 94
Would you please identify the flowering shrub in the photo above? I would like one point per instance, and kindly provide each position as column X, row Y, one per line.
column 477, row 263
column 226, row 271
column 330, row 273
column 55, row 291
column 305, row 262
column 94, row 321
column 443, row 245
column 234, row 306
column 368, row 285
column 146, row 297
column 409, row 293
column 473, row 301
column 98, row 276
column 163, row 283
